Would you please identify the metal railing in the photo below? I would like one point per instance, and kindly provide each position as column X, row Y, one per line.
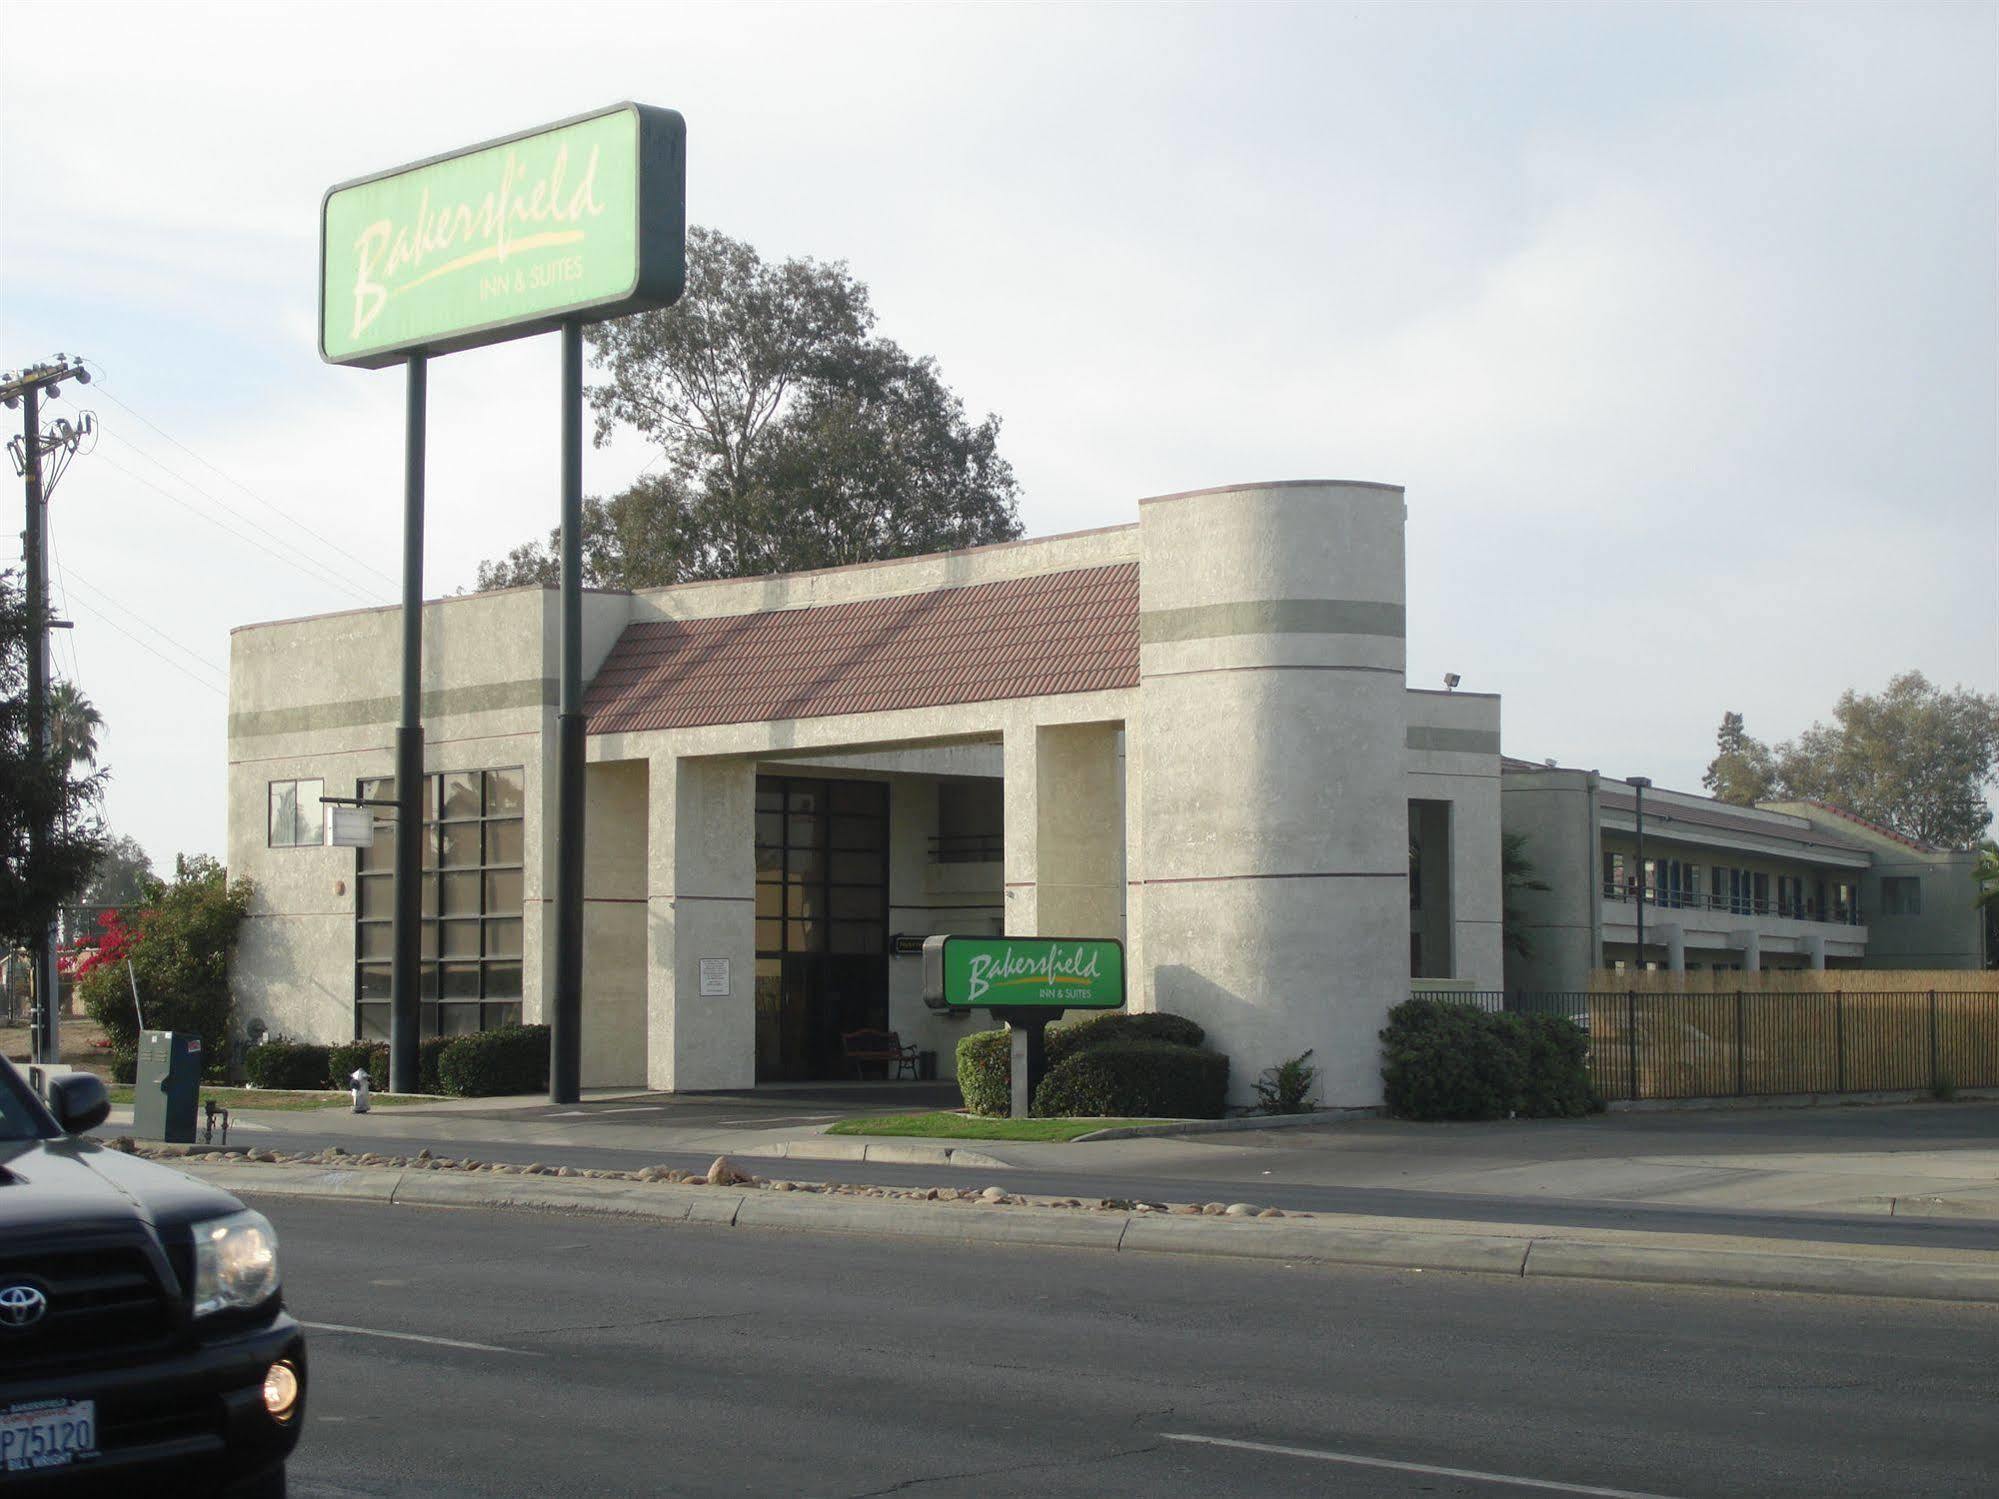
column 1736, row 905
column 1748, row 1044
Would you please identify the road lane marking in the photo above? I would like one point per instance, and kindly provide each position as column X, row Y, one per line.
column 415, row 1337
column 1356, row 1460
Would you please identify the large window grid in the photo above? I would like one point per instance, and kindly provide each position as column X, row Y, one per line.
column 822, row 866
column 471, row 932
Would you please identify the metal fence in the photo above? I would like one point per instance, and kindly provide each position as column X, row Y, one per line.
column 1744, row 1043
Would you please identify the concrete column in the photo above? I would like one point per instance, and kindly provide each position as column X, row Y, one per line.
column 1275, row 824
column 1815, row 951
column 1750, row 943
column 1079, row 831
column 614, row 925
column 701, row 852
column 1675, row 938
column 1022, row 798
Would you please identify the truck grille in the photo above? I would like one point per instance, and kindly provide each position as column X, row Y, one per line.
column 103, row 1300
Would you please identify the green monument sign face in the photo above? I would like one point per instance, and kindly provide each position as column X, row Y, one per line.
column 1057, row 973
column 582, row 220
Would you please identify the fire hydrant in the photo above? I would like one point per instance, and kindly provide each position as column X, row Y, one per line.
column 360, row 1090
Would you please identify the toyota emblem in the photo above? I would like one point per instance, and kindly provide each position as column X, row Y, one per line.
column 22, row 1306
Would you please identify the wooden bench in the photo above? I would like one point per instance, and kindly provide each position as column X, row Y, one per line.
column 884, row 1047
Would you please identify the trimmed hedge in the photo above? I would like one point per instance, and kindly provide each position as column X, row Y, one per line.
column 280, row 1063
column 511, row 1059
column 985, row 1071
column 1102, row 1030
column 985, row 1058
column 1141, row 1079
column 341, row 1062
column 1442, row 1060
column 374, row 1055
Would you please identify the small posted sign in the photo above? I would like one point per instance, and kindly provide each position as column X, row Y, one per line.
column 350, row 827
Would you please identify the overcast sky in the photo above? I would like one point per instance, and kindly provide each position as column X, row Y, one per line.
column 1678, row 322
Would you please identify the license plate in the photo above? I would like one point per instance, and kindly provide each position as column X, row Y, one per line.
column 47, row 1434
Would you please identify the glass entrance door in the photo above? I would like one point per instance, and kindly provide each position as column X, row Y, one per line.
column 822, row 921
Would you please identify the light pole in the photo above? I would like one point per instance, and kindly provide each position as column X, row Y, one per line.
column 1638, row 785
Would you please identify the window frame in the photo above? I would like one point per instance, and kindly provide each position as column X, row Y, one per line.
column 487, row 1005
column 318, row 838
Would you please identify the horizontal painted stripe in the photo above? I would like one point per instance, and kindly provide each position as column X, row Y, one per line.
column 439, row 702
column 1273, row 617
column 1354, row 1459
column 1453, row 741
column 1330, row 874
column 413, row 1337
column 1203, row 671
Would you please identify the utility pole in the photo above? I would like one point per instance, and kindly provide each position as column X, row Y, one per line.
column 24, row 388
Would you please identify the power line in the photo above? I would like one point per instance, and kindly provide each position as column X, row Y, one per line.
column 270, row 505
column 105, row 596
column 62, row 582
column 364, row 588
column 317, row 576
column 313, row 558
column 143, row 645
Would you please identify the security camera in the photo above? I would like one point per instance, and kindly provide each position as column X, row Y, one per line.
column 1451, row 680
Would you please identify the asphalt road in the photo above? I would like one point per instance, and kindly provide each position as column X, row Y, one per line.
column 487, row 1353
column 1941, row 1233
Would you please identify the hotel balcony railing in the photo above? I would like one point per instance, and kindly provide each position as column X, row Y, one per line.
column 1736, row 905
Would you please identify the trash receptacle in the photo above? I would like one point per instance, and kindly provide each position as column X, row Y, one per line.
column 926, row 1066
column 166, row 1087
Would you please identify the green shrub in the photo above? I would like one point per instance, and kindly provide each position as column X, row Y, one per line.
column 124, row 1064
column 985, row 1071
column 1287, row 1087
column 1140, row 1079
column 374, row 1055
column 1555, row 1081
column 985, row 1058
column 1120, row 1025
column 341, row 1062
column 511, row 1059
column 1442, row 1060
column 287, row 1064
column 178, row 944
column 428, row 1052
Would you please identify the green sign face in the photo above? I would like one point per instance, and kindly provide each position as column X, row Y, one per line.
column 1062, row 973
column 582, row 220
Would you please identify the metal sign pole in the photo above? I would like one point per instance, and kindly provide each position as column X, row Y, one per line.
column 565, row 1050
column 406, row 970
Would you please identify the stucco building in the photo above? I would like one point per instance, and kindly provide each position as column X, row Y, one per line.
column 1777, row 885
column 1191, row 732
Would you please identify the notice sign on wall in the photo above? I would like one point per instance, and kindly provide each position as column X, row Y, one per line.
column 582, row 219
column 714, row 977
column 1063, row 973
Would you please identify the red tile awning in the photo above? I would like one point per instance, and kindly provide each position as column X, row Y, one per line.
column 1022, row 637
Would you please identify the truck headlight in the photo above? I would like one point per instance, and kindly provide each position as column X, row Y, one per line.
column 235, row 1262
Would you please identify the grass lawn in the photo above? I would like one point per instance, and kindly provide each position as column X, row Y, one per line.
column 278, row 1098
column 974, row 1127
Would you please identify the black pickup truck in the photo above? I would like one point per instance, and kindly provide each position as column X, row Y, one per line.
column 144, row 1345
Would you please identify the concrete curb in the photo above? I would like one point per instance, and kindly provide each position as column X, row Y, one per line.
column 1407, row 1244
column 1228, row 1126
column 898, row 1152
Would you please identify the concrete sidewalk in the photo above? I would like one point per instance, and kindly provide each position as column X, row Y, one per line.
column 1895, row 1159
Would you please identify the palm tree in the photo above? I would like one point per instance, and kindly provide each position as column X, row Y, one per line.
column 73, row 726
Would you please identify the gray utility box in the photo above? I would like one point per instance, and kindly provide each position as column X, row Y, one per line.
column 168, row 1087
